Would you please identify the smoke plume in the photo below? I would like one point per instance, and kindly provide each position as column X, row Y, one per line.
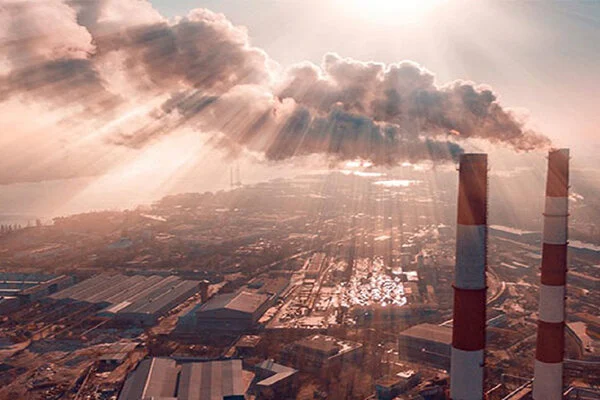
column 106, row 60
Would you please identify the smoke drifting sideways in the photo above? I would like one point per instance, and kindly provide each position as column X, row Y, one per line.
column 106, row 60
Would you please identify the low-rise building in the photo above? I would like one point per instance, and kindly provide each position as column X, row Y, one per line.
column 246, row 345
column 274, row 381
column 163, row 378
column 137, row 299
column 115, row 354
column 387, row 388
column 317, row 352
column 231, row 312
column 19, row 288
column 426, row 343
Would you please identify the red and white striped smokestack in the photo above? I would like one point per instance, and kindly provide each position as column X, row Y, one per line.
column 548, row 377
column 468, row 333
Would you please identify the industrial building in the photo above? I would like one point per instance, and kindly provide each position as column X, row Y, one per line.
column 136, row 299
column 246, row 345
column 115, row 355
column 588, row 348
column 230, row 312
column 320, row 352
column 519, row 235
column 19, row 288
column 271, row 286
column 163, row 378
column 274, row 381
column 387, row 388
column 427, row 343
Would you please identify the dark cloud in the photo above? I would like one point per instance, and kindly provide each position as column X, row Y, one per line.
column 405, row 95
column 202, row 51
column 64, row 82
column 349, row 136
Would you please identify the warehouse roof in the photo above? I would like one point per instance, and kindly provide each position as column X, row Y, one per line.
column 269, row 285
column 153, row 378
column 327, row 345
column 211, row 380
column 434, row 333
column 117, row 351
column 242, row 301
column 279, row 372
column 163, row 378
column 120, row 294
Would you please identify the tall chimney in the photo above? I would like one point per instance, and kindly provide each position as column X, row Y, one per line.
column 548, row 377
column 468, row 333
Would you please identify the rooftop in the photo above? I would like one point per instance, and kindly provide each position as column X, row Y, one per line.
column 248, row 341
column 279, row 372
column 120, row 294
column 211, row 380
column 513, row 231
column 242, row 301
column 163, row 378
column 327, row 344
column 435, row 333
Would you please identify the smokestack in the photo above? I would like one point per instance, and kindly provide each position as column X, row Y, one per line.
column 204, row 290
column 548, row 377
column 468, row 333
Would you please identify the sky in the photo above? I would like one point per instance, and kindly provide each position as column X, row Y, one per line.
column 538, row 55
column 108, row 104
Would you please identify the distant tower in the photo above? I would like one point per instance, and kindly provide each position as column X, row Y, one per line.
column 548, row 378
column 468, row 332
column 238, row 176
column 389, row 221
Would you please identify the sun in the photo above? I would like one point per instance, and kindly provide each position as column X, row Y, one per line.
column 391, row 11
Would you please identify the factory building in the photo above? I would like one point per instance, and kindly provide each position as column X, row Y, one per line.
column 517, row 235
column 163, row 378
column 137, row 299
column 274, row 381
column 271, row 286
column 153, row 378
column 320, row 353
column 426, row 343
column 587, row 347
column 115, row 355
column 246, row 346
column 230, row 312
column 18, row 288
column 389, row 387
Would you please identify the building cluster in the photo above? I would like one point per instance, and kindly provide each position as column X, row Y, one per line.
column 17, row 289
column 136, row 299
column 163, row 378
column 322, row 287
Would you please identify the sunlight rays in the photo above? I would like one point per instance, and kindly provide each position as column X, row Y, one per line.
column 391, row 11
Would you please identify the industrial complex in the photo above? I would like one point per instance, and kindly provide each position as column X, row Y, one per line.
column 287, row 291
column 134, row 299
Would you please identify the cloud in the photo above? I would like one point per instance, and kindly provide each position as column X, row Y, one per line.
column 406, row 96
column 100, row 62
column 36, row 32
